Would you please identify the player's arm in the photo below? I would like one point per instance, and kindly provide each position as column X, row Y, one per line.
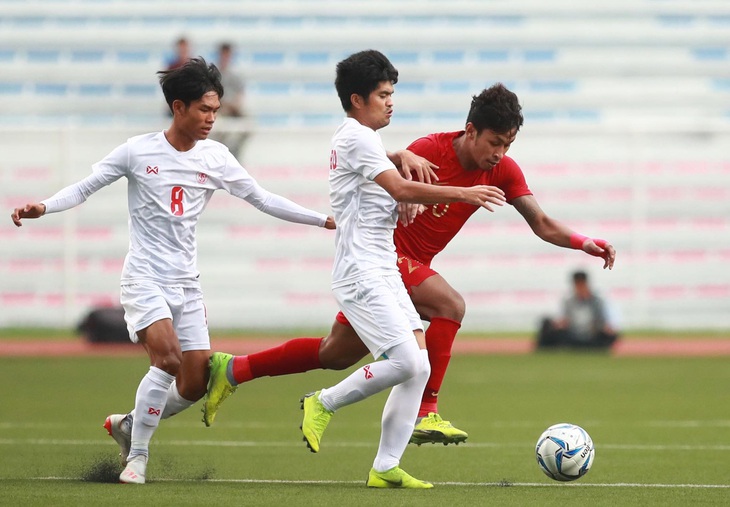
column 559, row 234
column 415, row 192
column 284, row 209
column 409, row 163
column 104, row 172
column 67, row 198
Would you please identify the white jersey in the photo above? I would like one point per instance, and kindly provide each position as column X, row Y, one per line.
column 364, row 212
column 167, row 192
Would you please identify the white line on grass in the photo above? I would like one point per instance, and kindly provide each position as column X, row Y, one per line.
column 679, row 424
column 248, row 443
column 448, row 483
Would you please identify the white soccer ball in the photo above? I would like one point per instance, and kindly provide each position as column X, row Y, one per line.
column 565, row 452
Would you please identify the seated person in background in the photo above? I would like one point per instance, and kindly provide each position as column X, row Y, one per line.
column 585, row 322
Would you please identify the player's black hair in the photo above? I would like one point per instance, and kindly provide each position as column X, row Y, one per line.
column 580, row 276
column 190, row 81
column 361, row 73
column 497, row 109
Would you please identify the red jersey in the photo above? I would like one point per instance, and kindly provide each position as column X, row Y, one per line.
column 438, row 224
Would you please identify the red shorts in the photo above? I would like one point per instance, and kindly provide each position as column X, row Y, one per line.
column 413, row 273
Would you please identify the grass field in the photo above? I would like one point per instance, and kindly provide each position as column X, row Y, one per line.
column 661, row 427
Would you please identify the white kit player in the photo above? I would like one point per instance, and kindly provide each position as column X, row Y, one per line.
column 364, row 188
column 171, row 177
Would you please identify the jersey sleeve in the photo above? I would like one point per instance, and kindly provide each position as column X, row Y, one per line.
column 107, row 171
column 368, row 156
column 238, row 182
column 235, row 179
column 512, row 180
column 282, row 208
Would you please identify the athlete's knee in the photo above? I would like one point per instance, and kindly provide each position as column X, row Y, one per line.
column 168, row 359
column 425, row 364
column 452, row 307
column 408, row 359
column 341, row 349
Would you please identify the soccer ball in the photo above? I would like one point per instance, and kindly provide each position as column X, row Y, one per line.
column 565, row 452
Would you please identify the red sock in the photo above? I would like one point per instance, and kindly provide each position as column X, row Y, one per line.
column 295, row 356
column 439, row 338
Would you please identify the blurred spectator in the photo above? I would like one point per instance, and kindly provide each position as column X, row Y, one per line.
column 182, row 54
column 585, row 321
column 232, row 134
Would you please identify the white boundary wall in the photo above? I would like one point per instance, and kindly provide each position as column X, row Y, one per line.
column 659, row 193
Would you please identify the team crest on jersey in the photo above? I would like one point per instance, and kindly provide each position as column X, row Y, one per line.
column 152, row 170
column 202, row 178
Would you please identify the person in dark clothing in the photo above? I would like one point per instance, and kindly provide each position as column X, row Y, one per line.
column 584, row 322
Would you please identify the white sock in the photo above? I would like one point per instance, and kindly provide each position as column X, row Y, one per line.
column 175, row 403
column 399, row 413
column 148, row 407
column 403, row 362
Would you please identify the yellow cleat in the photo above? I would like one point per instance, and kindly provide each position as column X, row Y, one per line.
column 315, row 421
column 219, row 388
column 432, row 429
column 396, row 477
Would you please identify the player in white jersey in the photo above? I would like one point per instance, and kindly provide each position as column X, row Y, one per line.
column 171, row 176
column 364, row 189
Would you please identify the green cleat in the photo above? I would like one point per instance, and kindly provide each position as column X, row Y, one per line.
column 316, row 419
column 432, row 429
column 219, row 388
column 396, row 477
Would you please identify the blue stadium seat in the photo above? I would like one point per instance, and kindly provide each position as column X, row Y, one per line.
column 313, row 58
column 87, row 55
column 11, row 88
column 448, row 56
column 7, row 55
column 135, row 56
column 96, row 90
column 268, row 58
column 51, row 89
column 43, row 56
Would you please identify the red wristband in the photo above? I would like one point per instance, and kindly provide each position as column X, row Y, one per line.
column 577, row 240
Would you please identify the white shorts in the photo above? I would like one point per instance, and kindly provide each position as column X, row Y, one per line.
column 146, row 303
column 380, row 311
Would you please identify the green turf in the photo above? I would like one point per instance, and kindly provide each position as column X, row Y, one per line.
column 661, row 428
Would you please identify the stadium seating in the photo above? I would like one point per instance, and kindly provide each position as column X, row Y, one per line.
column 568, row 63
column 627, row 108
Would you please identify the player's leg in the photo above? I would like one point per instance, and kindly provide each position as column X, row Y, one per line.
column 191, row 382
column 340, row 349
column 440, row 304
column 397, row 421
column 163, row 349
column 191, row 333
column 149, row 312
column 384, row 317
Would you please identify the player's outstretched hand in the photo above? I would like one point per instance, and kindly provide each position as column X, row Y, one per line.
column 330, row 223
column 484, row 195
column 28, row 211
column 411, row 163
column 601, row 248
